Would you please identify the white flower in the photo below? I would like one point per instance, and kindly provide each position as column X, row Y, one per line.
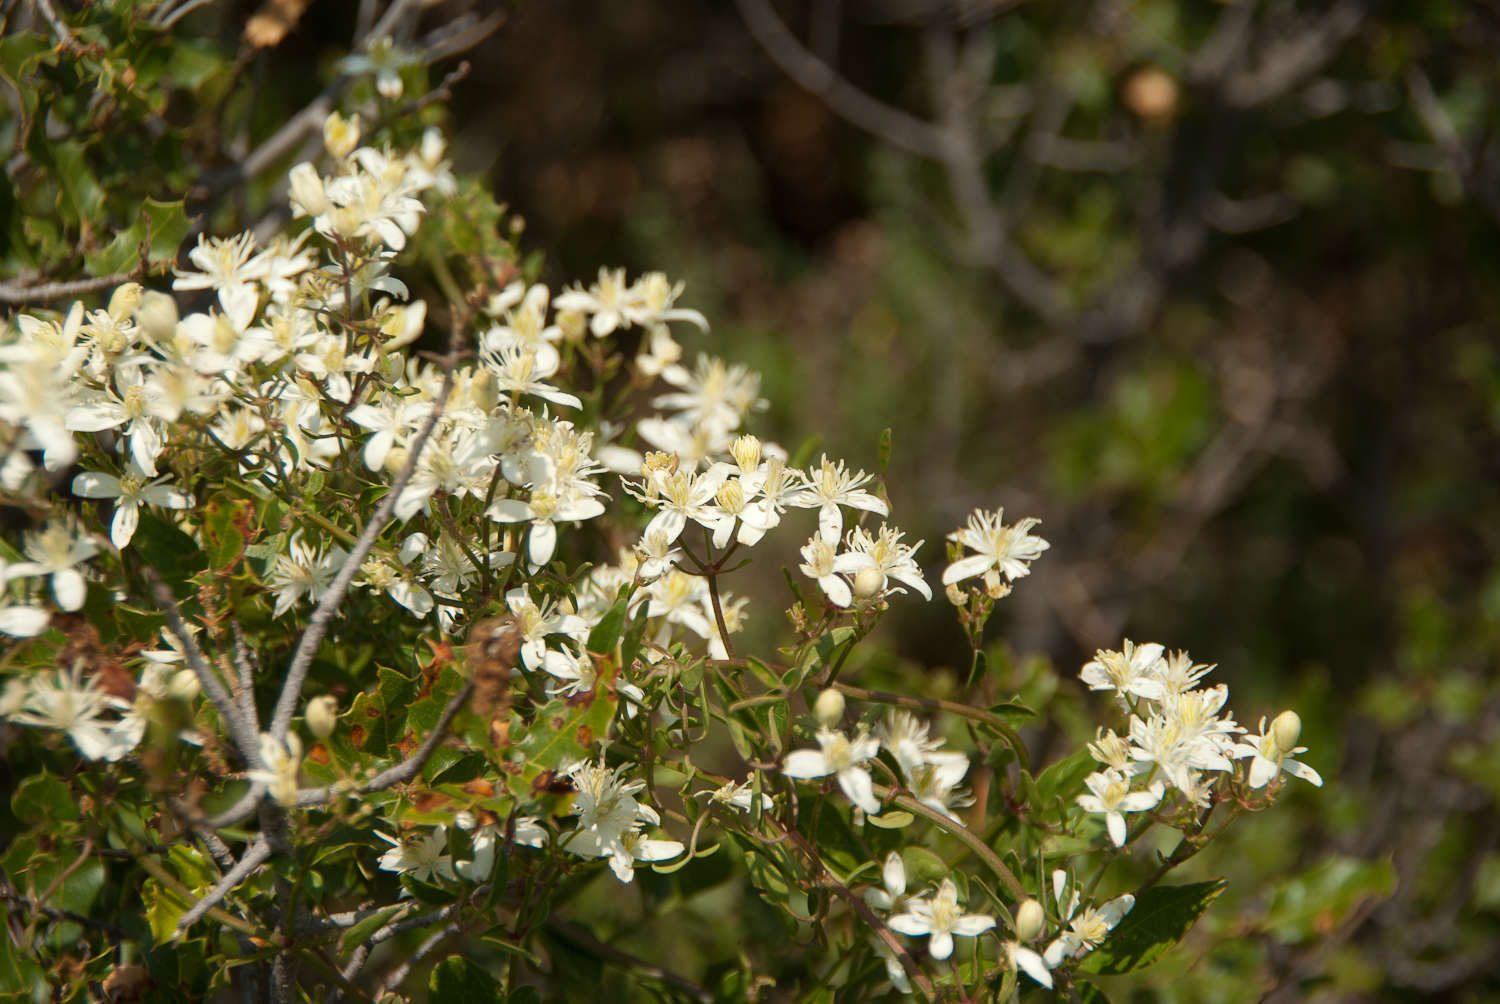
column 302, row 572
column 940, row 917
column 893, row 875
column 1109, row 793
column 1271, row 752
column 1007, row 549
column 1087, row 930
column 738, row 796
column 830, row 485
column 841, row 757
column 425, row 857
column 56, row 551
column 131, row 490
column 63, row 701
column 1133, row 670
column 820, row 563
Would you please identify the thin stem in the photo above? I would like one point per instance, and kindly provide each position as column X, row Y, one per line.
column 938, row 704
column 979, row 847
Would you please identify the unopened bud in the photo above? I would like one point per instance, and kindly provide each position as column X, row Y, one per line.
column 308, row 197
column 829, row 708
column 868, row 582
column 322, row 715
column 157, row 316
column 123, row 301
column 395, row 460
column 483, row 392
column 1284, row 732
column 955, row 594
column 184, row 685
column 1029, row 920
column 341, row 135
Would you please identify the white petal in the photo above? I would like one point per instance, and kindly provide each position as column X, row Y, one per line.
column 964, row 568
column 127, row 518
column 68, row 587
column 855, row 783
column 806, row 764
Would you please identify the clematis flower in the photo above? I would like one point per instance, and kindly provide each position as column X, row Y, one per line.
column 841, row 757
column 1006, row 549
column 131, row 491
column 940, row 917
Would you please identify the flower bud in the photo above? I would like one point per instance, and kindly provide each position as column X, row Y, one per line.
column 184, row 685
column 157, row 316
column 395, row 460
column 308, row 197
column 868, row 582
column 1029, row 920
column 341, row 135
column 955, row 594
column 124, row 300
column 1284, row 732
column 322, row 715
column 483, row 392
column 829, row 708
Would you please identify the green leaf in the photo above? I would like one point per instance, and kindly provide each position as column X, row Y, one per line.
column 79, row 187
column 357, row 934
column 167, row 223
column 885, row 448
column 891, row 820
column 456, row 980
column 1064, row 779
column 606, row 634
column 1162, row 916
column 42, row 798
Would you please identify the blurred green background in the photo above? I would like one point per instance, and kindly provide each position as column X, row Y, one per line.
column 1209, row 287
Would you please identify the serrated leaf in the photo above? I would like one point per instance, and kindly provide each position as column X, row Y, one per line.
column 42, row 798
column 1161, row 917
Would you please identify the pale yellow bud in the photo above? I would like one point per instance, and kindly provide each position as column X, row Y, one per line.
column 1029, row 920
column 184, row 685
column 322, row 715
column 868, row 582
column 123, row 301
column 1284, row 731
column 395, row 460
column 483, row 391
column 574, row 324
column 955, row 594
column 308, row 197
column 829, row 708
column 341, row 135
column 157, row 316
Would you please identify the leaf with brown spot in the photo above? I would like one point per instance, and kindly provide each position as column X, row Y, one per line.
column 408, row 744
column 319, row 754
column 357, row 736
column 479, row 787
column 428, row 801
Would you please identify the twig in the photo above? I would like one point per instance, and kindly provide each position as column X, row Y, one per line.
column 14, row 294
column 246, row 737
column 979, row 847
column 167, row 18
column 397, row 975
column 59, row 28
column 893, row 125
column 256, row 855
column 994, row 721
column 246, row 690
column 322, row 617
